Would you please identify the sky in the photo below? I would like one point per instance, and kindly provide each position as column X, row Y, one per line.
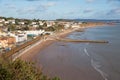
column 60, row 9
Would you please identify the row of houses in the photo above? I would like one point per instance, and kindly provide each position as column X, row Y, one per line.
column 10, row 39
column 7, row 21
column 22, row 22
column 39, row 23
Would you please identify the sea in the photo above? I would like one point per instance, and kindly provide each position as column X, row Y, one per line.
column 84, row 61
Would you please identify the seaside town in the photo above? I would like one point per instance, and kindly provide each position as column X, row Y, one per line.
column 20, row 39
column 59, row 39
column 15, row 32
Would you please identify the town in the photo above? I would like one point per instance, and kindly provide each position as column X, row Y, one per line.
column 15, row 32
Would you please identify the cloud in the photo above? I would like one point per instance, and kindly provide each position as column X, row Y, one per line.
column 90, row 1
column 10, row 6
column 42, row 0
column 88, row 10
column 31, row 10
column 109, row 14
column 48, row 4
column 115, row 11
column 36, row 9
column 32, row 0
column 113, row 0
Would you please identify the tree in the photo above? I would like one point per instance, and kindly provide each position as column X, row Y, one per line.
column 11, row 27
column 16, row 22
column 26, row 28
column 21, row 70
column 59, row 27
column 40, row 27
column 45, row 24
column 50, row 29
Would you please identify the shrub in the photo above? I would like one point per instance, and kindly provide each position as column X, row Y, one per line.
column 21, row 70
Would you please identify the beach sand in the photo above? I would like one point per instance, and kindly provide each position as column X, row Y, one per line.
column 28, row 54
column 57, row 60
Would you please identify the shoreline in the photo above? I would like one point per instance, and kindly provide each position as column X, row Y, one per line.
column 31, row 56
column 40, row 45
column 37, row 47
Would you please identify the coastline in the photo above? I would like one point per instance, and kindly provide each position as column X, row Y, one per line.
column 37, row 47
column 31, row 55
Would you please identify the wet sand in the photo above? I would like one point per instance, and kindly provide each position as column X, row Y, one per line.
column 28, row 54
column 66, row 62
column 63, row 60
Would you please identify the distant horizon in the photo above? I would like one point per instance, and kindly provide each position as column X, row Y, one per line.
column 62, row 18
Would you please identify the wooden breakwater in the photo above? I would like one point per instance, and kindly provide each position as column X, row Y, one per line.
column 83, row 41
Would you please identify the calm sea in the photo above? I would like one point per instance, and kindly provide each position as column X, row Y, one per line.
column 84, row 61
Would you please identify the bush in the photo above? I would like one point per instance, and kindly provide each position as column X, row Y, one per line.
column 21, row 70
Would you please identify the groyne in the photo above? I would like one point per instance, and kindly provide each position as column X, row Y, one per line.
column 82, row 41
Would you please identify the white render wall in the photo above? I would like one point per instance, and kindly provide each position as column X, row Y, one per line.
column 75, row 26
column 19, row 37
column 36, row 32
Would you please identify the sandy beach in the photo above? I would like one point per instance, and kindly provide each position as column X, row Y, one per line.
column 34, row 49
column 68, row 62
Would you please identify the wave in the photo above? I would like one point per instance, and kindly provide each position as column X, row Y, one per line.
column 86, row 52
column 96, row 65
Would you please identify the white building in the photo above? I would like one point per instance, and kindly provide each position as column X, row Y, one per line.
column 36, row 32
column 75, row 26
column 67, row 26
column 50, row 23
column 3, row 34
column 6, row 22
column 11, row 21
column 1, row 24
column 21, row 23
column 19, row 37
column 33, row 23
column 41, row 23
column 2, row 20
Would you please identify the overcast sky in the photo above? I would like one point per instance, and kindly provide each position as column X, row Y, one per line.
column 54, row 9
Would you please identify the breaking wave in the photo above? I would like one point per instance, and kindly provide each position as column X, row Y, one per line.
column 96, row 65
